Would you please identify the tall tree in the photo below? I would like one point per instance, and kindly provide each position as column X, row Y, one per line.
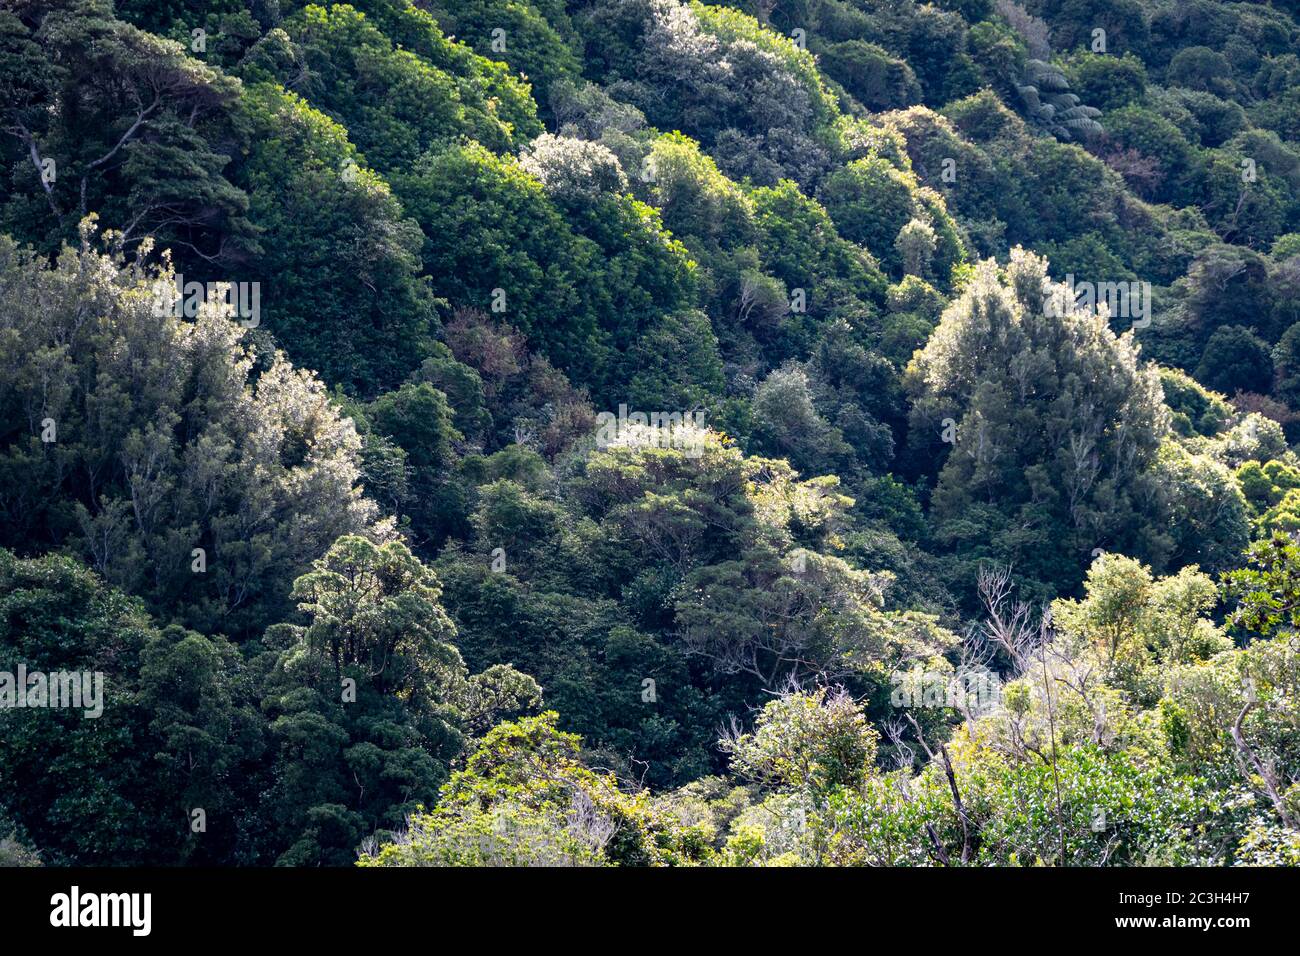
column 1047, row 425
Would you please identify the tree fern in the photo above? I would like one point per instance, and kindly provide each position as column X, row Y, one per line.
column 1047, row 101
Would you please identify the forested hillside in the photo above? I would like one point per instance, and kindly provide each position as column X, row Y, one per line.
column 636, row 432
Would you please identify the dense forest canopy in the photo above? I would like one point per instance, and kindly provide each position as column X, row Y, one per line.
column 645, row 432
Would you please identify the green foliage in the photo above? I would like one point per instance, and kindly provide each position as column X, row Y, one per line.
column 176, row 727
column 489, row 226
column 765, row 114
column 878, row 80
column 1267, row 590
column 1107, row 82
column 802, row 248
column 871, row 202
column 526, row 799
column 636, row 350
column 1045, row 93
column 1206, row 512
column 169, row 435
column 1235, row 360
column 369, row 701
column 145, row 147
column 1140, row 627
column 535, row 39
column 1196, row 410
column 1056, row 423
column 341, row 264
column 393, row 101
column 812, row 741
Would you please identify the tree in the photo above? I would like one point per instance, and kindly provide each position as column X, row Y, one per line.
column 174, row 728
column 801, row 246
column 787, row 424
column 1235, row 360
column 675, row 364
column 1107, row 82
column 878, row 80
column 1200, row 68
column 573, row 170
column 870, row 202
column 525, row 798
column 342, row 261
column 418, row 418
column 1055, row 424
column 1140, row 627
column 816, row 740
column 575, row 278
column 396, row 102
column 1045, row 94
column 751, row 97
column 181, row 463
column 369, row 701
column 1208, row 519
column 539, row 40
column 112, row 120
column 1286, row 363
column 915, row 246
column 1125, row 22
column 807, row 617
column 1267, row 591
